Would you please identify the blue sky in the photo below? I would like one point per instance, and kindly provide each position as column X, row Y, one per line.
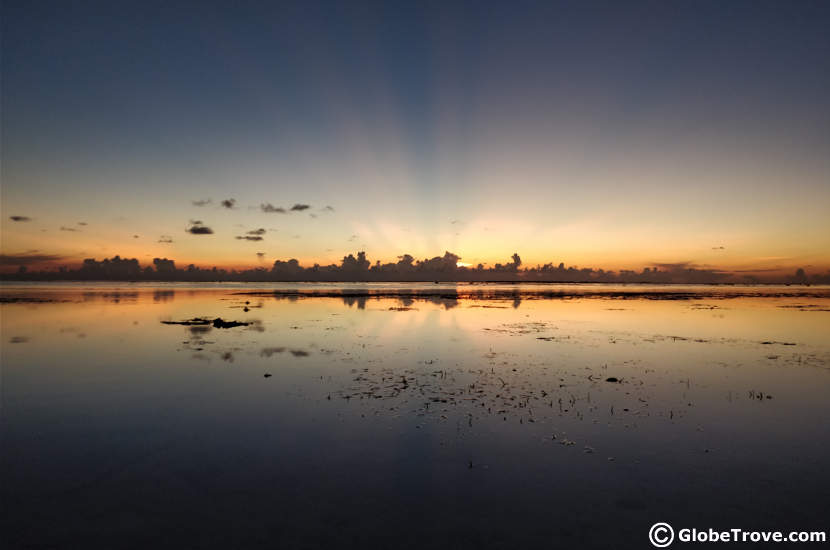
column 597, row 133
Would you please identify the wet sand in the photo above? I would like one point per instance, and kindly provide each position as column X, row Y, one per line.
column 486, row 416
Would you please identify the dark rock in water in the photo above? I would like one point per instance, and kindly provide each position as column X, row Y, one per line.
column 612, row 379
column 217, row 323
column 221, row 323
column 266, row 375
column 196, row 321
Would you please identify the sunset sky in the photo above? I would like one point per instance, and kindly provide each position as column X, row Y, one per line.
column 613, row 135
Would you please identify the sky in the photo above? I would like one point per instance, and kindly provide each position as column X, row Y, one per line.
column 607, row 134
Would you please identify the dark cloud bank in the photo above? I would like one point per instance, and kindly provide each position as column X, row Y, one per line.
column 405, row 269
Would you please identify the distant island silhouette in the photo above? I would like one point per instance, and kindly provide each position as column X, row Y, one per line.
column 357, row 268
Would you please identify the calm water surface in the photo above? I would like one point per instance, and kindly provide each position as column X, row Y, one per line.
column 409, row 416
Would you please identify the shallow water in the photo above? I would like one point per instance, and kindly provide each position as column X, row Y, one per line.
column 414, row 416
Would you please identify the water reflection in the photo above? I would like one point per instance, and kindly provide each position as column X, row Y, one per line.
column 324, row 416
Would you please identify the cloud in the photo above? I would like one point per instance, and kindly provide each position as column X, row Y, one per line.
column 675, row 266
column 135, row 236
column 69, row 229
column 253, row 235
column 688, row 266
column 202, row 202
column 20, row 218
column 300, row 207
column 270, row 208
column 229, row 203
column 718, row 248
column 82, row 223
column 329, row 208
column 260, row 255
column 166, row 239
column 198, row 228
column 28, row 259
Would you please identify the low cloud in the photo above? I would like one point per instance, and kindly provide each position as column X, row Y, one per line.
column 28, row 259
column 202, row 202
column 300, row 207
column 260, row 231
column 229, row 203
column 675, row 266
column 328, row 208
column 166, row 239
column 69, row 229
column 271, row 209
column 82, row 223
column 688, row 267
column 198, row 228
column 260, row 255
column 20, row 218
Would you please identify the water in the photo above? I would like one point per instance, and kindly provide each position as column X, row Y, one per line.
column 409, row 416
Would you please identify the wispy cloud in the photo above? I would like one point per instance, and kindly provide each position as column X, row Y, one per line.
column 271, row 209
column 20, row 218
column 202, row 202
column 229, row 203
column 260, row 231
column 249, row 237
column 72, row 229
column 300, row 207
column 165, row 239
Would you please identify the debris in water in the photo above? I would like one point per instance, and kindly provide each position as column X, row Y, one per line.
column 200, row 321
